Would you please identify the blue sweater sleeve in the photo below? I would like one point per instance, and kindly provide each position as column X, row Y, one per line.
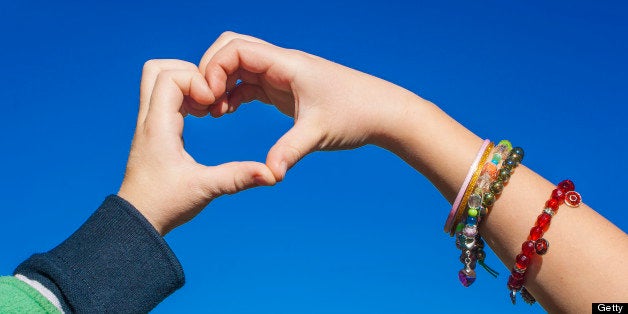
column 115, row 262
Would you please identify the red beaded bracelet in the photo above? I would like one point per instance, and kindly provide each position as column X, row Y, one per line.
column 536, row 244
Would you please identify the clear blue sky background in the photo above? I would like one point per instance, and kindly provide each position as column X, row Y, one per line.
column 346, row 232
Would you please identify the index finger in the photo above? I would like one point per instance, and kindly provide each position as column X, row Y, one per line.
column 150, row 71
column 167, row 98
column 276, row 64
column 222, row 41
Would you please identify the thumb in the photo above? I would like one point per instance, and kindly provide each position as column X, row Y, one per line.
column 290, row 148
column 233, row 177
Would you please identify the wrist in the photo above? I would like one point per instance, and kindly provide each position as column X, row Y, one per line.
column 431, row 142
column 135, row 199
column 400, row 123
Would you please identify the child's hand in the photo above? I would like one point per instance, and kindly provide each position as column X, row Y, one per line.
column 162, row 180
column 334, row 107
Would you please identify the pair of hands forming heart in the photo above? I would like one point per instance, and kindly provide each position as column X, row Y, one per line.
column 334, row 107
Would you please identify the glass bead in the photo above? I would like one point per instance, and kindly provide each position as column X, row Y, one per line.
column 503, row 151
column 522, row 261
column 466, row 276
column 481, row 255
column 473, row 212
column 543, row 221
column 483, row 182
column 527, row 297
column 472, row 221
column 540, row 246
column 459, row 227
column 527, row 248
column 573, row 199
column 503, row 175
column 488, row 199
column 475, row 201
column 490, row 169
column 559, row 195
column 497, row 187
column 508, row 163
column 535, row 233
column 516, row 269
column 516, row 274
column 505, row 144
column 515, row 283
column 470, row 231
column 483, row 211
column 514, row 157
column 459, row 240
column 497, row 157
column 518, row 151
column 552, row 203
column 566, row 185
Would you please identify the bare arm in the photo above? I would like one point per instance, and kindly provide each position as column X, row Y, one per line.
column 585, row 263
column 335, row 107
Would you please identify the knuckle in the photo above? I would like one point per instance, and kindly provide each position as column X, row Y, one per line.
column 294, row 52
column 240, row 180
column 227, row 35
column 236, row 41
column 161, row 76
column 157, row 65
column 151, row 65
column 293, row 152
column 239, row 183
column 165, row 75
column 299, row 57
column 186, row 65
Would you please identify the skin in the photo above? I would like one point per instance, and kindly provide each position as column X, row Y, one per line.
column 162, row 180
column 335, row 108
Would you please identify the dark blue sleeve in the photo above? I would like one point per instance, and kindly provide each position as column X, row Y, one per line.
column 115, row 262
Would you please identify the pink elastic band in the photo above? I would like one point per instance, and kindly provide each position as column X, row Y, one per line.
column 463, row 188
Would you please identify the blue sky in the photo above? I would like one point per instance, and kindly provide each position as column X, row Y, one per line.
column 346, row 232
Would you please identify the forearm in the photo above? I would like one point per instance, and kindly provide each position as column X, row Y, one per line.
column 585, row 247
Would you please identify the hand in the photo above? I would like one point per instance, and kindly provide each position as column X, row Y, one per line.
column 334, row 107
column 162, row 180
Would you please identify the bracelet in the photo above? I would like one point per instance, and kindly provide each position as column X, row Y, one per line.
column 460, row 214
column 468, row 240
column 455, row 208
column 493, row 171
column 535, row 244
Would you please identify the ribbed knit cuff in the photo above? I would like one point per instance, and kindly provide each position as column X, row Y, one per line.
column 115, row 262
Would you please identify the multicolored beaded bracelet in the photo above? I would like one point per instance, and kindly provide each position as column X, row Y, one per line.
column 468, row 181
column 535, row 244
column 461, row 212
column 468, row 240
